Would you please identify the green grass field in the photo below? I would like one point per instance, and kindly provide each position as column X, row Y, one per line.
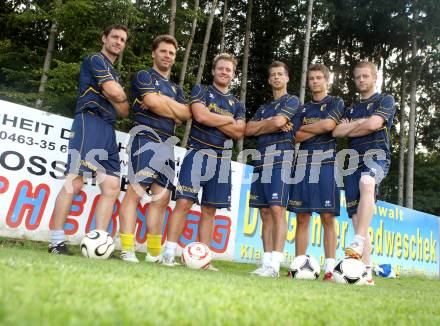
column 38, row 288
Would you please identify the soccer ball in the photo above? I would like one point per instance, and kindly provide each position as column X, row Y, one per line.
column 305, row 267
column 350, row 271
column 196, row 255
column 97, row 244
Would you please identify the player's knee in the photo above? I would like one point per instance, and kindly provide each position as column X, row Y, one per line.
column 161, row 200
column 183, row 204
column 265, row 215
column 110, row 189
column 328, row 220
column 302, row 219
column 367, row 182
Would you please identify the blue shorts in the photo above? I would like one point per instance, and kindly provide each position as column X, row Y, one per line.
column 151, row 162
column 270, row 188
column 316, row 192
column 212, row 173
column 92, row 147
column 351, row 183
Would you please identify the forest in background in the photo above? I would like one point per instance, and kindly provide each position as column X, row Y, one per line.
column 42, row 44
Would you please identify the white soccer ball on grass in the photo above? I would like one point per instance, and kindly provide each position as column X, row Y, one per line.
column 196, row 255
column 97, row 244
column 305, row 267
column 350, row 271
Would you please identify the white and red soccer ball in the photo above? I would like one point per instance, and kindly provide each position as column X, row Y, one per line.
column 196, row 255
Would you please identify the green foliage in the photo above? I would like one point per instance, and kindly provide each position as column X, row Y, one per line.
column 343, row 32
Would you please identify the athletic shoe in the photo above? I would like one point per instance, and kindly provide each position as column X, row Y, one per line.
column 370, row 282
column 129, row 256
column 59, row 249
column 153, row 259
column 259, row 270
column 270, row 272
column 210, row 267
column 169, row 261
column 354, row 251
column 328, row 277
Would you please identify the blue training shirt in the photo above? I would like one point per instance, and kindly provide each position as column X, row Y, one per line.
column 287, row 106
column 378, row 104
column 148, row 82
column 203, row 137
column 95, row 70
column 330, row 107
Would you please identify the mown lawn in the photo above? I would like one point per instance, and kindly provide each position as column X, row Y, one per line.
column 37, row 288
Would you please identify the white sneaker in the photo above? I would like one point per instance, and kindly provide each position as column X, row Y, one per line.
column 153, row 259
column 169, row 261
column 129, row 256
column 269, row 272
column 259, row 270
column 210, row 267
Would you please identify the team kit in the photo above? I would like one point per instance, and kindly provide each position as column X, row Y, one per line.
column 303, row 181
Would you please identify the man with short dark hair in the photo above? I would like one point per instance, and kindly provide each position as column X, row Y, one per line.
column 158, row 106
column 274, row 124
column 316, row 190
column 367, row 124
column 101, row 98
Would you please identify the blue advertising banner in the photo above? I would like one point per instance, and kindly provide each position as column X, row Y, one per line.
column 405, row 238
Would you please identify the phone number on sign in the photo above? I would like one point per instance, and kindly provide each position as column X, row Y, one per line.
column 27, row 140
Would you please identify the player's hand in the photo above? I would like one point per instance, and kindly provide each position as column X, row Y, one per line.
column 143, row 106
column 287, row 127
column 344, row 121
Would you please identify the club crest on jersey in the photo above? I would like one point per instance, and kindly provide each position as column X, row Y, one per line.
column 327, row 203
column 369, row 106
column 231, row 102
column 276, row 106
column 322, row 108
column 275, row 195
column 174, row 89
column 211, row 95
column 157, row 83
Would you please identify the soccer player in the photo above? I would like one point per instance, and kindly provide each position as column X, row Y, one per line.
column 158, row 105
column 218, row 117
column 367, row 124
column 92, row 145
column 274, row 124
column 317, row 190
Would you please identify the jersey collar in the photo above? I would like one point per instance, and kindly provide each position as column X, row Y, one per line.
column 106, row 59
column 371, row 98
column 158, row 75
column 219, row 91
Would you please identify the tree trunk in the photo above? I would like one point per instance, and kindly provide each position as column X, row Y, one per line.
column 244, row 70
column 189, row 45
column 224, row 22
column 172, row 29
column 401, row 175
column 47, row 61
column 201, row 64
column 412, row 117
column 305, row 61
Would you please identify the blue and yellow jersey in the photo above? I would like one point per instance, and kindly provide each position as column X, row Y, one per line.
column 378, row 104
column 150, row 81
column 287, row 106
column 202, row 136
column 330, row 107
column 95, row 70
